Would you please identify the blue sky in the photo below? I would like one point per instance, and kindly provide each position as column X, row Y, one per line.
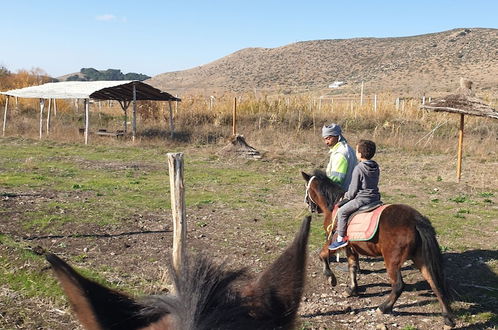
column 153, row 37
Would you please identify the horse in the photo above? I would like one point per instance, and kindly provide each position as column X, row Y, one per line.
column 207, row 295
column 403, row 234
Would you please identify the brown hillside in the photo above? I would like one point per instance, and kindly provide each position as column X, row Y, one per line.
column 412, row 65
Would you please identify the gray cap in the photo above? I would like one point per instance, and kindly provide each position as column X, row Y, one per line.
column 331, row 130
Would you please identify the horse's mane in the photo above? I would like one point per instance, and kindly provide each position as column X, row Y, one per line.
column 330, row 190
column 204, row 298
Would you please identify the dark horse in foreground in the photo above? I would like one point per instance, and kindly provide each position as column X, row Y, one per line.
column 207, row 296
column 403, row 234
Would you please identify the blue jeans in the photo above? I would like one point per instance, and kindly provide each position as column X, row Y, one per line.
column 345, row 211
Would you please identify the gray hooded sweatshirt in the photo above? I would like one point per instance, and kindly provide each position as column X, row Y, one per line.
column 364, row 183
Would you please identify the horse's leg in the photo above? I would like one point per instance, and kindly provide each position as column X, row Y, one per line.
column 394, row 272
column 446, row 310
column 352, row 256
column 324, row 257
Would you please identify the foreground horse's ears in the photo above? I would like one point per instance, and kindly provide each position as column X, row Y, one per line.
column 306, row 176
column 275, row 295
column 96, row 306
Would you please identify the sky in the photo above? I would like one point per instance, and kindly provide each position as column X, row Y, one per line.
column 153, row 37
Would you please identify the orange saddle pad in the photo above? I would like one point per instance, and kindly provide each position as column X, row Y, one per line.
column 363, row 226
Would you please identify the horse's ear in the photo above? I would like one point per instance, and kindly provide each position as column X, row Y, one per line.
column 276, row 294
column 96, row 306
column 306, row 176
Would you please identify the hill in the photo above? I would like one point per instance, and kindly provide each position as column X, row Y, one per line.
column 411, row 65
column 91, row 74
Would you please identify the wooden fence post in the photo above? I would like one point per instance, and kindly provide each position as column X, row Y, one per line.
column 171, row 125
column 234, row 120
column 5, row 115
column 48, row 115
column 175, row 162
column 361, row 94
column 460, row 148
column 42, row 105
column 87, row 119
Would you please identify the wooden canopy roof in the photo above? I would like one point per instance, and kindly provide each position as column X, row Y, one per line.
column 100, row 90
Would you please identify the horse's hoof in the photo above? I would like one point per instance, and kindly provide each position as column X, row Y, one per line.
column 383, row 310
column 351, row 292
column 332, row 280
column 448, row 323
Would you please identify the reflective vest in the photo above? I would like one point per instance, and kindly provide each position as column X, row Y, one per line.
column 341, row 164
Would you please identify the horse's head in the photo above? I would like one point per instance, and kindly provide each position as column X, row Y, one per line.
column 206, row 297
column 321, row 193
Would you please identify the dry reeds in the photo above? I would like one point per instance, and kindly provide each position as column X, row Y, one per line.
column 269, row 121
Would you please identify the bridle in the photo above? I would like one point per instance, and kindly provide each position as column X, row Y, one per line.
column 312, row 205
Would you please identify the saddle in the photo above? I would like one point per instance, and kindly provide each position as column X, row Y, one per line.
column 363, row 224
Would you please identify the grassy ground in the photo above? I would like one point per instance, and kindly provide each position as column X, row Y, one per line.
column 106, row 209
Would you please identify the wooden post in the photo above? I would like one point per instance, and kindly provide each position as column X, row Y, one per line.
column 42, row 105
column 234, row 119
column 460, row 148
column 5, row 115
column 176, row 104
column 87, row 119
column 171, row 125
column 375, row 102
column 175, row 162
column 361, row 94
column 55, row 108
column 134, row 119
column 48, row 115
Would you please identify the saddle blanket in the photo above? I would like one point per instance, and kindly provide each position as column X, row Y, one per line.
column 363, row 226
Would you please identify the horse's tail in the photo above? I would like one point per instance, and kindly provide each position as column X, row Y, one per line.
column 431, row 252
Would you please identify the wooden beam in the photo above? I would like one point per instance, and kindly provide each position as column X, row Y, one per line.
column 5, row 115
column 460, row 148
column 175, row 162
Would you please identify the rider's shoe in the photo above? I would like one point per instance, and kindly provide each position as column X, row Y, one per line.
column 337, row 245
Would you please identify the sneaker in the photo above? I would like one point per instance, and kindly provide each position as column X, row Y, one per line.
column 337, row 245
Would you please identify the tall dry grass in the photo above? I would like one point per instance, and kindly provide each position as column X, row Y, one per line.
column 276, row 122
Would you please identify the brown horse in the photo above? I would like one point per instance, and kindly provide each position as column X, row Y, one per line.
column 403, row 234
column 207, row 296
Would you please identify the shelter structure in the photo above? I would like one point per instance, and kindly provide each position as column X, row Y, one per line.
column 126, row 92
column 464, row 103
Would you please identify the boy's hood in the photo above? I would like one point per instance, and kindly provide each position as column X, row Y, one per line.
column 370, row 165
